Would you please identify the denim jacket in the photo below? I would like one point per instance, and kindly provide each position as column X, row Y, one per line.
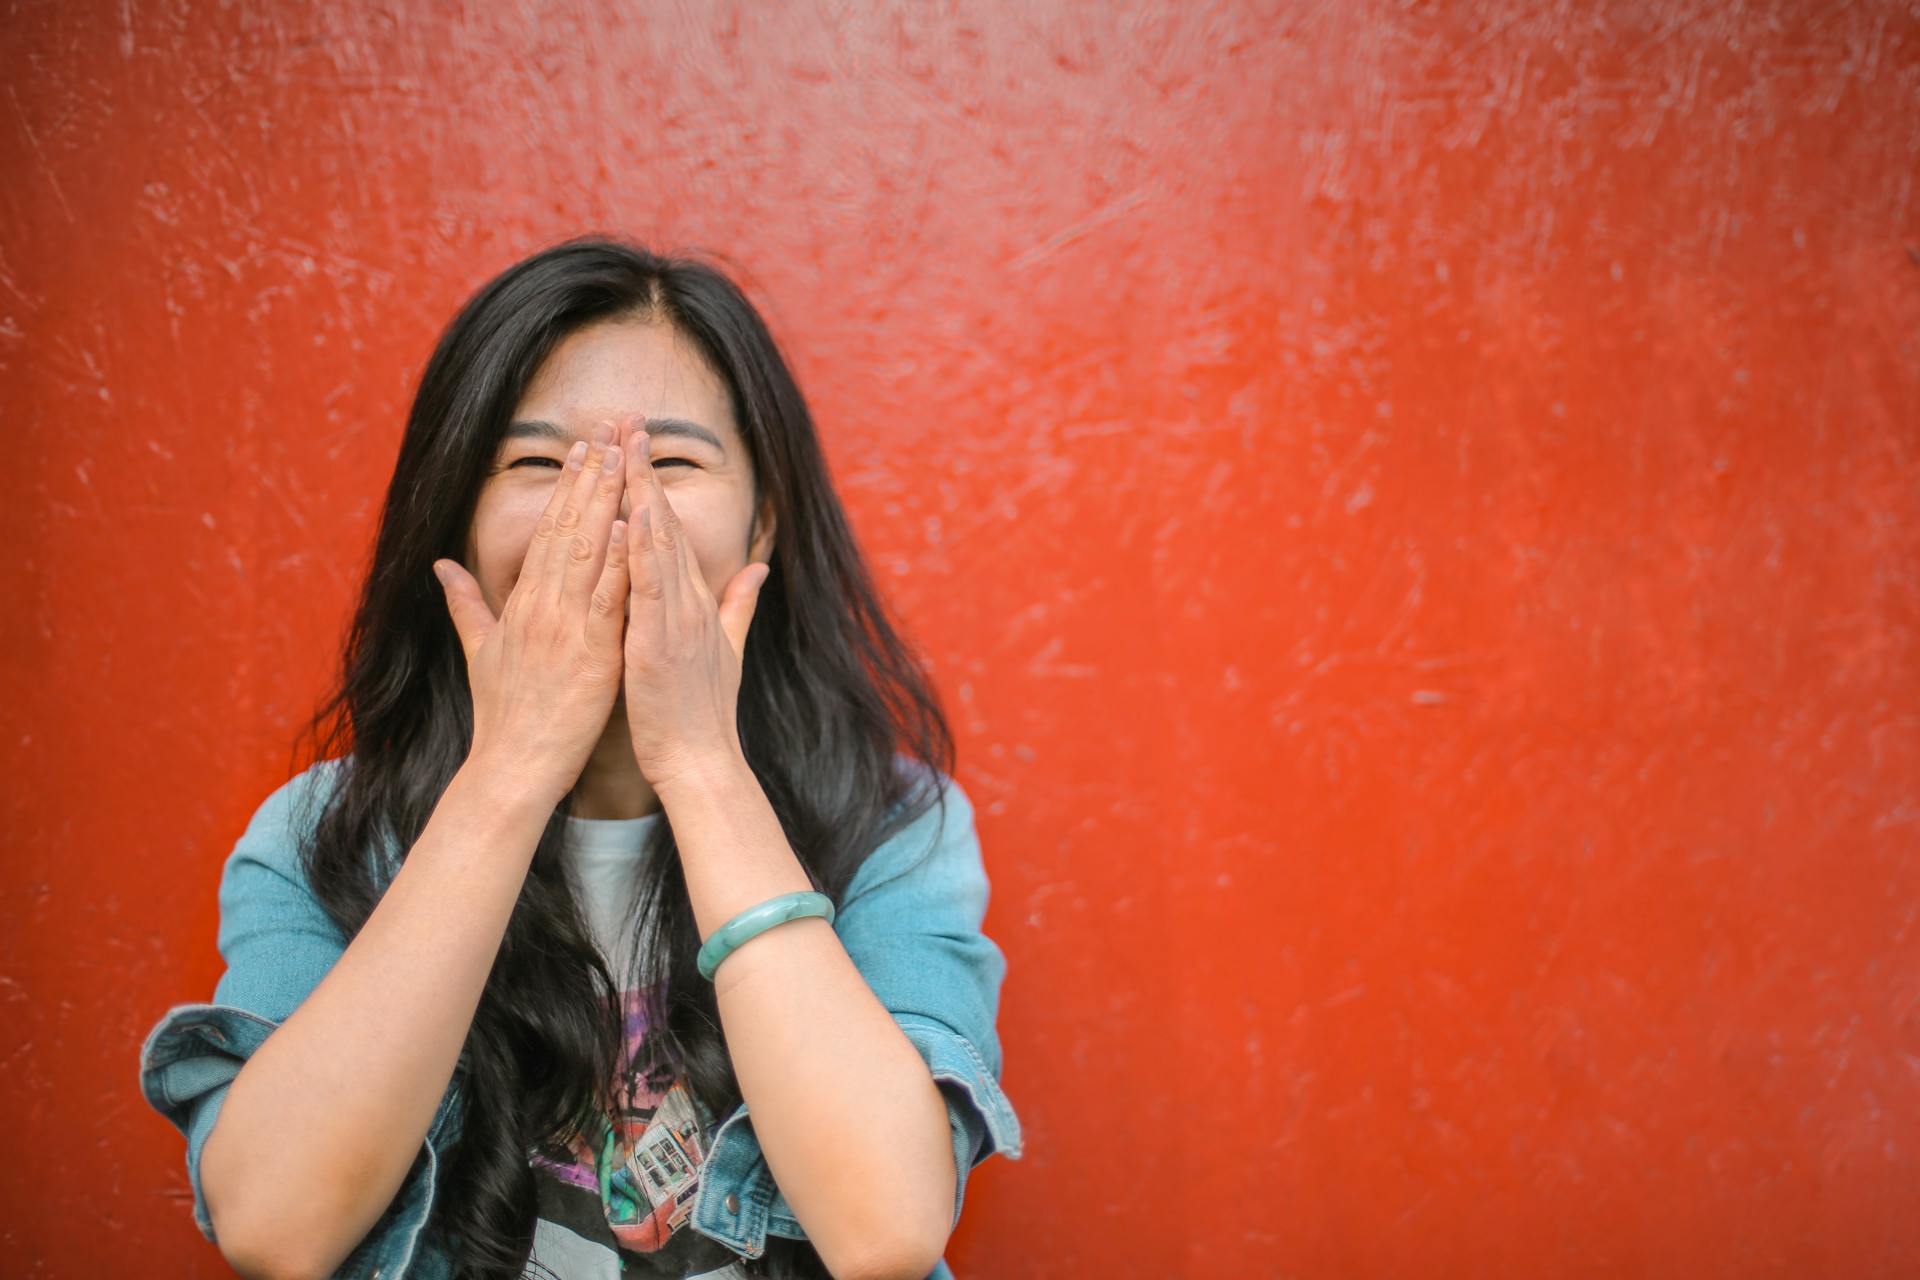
column 910, row 920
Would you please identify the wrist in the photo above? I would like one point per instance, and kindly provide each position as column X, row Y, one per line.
column 704, row 777
column 503, row 788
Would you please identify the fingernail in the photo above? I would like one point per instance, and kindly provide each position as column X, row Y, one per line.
column 440, row 572
column 577, row 454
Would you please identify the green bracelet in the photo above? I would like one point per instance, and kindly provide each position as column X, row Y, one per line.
column 758, row 919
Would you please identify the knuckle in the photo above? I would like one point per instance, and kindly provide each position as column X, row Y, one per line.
column 544, row 526
column 568, row 519
column 580, row 549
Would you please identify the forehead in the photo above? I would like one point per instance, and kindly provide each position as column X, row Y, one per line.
column 617, row 369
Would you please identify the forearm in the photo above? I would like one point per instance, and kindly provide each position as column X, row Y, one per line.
column 323, row 1122
column 853, row 1127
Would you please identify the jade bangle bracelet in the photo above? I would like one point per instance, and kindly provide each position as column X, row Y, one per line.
column 758, row 919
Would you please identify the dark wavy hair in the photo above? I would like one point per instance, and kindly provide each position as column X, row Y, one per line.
column 833, row 711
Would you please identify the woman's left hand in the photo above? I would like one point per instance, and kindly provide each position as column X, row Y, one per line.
column 683, row 650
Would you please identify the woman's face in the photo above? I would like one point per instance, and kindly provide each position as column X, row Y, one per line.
column 613, row 371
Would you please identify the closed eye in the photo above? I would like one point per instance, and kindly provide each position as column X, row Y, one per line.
column 555, row 462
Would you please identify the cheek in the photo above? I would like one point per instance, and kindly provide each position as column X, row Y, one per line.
column 503, row 530
column 713, row 566
column 715, row 535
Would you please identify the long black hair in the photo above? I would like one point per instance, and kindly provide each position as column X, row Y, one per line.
column 832, row 704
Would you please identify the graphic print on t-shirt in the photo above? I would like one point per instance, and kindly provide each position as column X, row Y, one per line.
column 624, row 1188
column 616, row 1201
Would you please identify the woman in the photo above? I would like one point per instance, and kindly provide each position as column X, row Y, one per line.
column 640, row 818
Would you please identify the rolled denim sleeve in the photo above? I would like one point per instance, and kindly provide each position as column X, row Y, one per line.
column 911, row 922
column 278, row 943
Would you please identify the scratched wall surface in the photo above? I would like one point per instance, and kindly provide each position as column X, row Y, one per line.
column 1413, row 508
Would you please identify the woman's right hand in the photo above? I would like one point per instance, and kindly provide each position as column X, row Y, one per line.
column 545, row 673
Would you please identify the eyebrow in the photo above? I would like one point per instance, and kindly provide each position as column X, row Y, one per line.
column 539, row 429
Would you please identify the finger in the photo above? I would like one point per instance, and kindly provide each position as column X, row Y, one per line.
column 692, row 583
column 589, row 548
column 648, row 593
column 566, row 539
column 738, row 602
column 606, row 610
column 650, row 510
column 472, row 619
column 682, row 581
column 667, row 522
column 533, row 567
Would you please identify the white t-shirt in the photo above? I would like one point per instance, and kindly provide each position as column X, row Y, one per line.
column 603, row 857
column 634, row 1217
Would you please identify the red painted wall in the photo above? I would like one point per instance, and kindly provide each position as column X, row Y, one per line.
column 1413, row 507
